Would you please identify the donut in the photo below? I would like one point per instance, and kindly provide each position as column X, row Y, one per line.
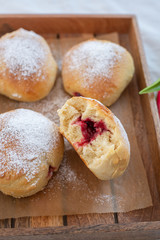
column 97, row 135
column 31, row 149
column 97, row 69
column 27, row 67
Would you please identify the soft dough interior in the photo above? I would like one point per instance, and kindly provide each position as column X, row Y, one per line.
column 103, row 146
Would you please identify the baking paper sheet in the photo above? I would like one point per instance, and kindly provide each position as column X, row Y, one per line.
column 74, row 189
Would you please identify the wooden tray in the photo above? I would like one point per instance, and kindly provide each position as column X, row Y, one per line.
column 139, row 224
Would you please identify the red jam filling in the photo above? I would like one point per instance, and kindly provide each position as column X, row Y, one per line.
column 50, row 171
column 77, row 94
column 90, row 130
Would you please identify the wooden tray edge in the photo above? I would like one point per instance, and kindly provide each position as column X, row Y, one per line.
column 143, row 230
column 116, row 229
column 151, row 97
column 59, row 15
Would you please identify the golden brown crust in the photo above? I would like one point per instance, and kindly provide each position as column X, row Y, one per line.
column 102, row 87
column 19, row 82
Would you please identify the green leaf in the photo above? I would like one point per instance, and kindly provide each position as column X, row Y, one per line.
column 152, row 88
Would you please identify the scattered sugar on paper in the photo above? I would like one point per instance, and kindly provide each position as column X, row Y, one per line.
column 69, row 179
column 49, row 105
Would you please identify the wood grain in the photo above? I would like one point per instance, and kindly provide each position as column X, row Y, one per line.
column 140, row 231
column 147, row 101
column 21, row 222
column 46, row 221
column 90, row 219
column 44, row 23
column 144, row 147
column 6, row 223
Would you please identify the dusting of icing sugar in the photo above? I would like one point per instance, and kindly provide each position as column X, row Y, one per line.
column 25, row 136
column 49, row 105
column 92, row 99
column 74, row 180
column 94, row 59
column 67, row 177
column 23, row 54
column 122, row 130
column 16, row 95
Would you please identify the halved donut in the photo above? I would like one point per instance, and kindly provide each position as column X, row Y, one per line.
column 97, row 135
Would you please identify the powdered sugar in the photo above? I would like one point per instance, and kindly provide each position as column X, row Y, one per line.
column 75, row 180
column 94, row 59
column 16, row 95
column 49, row 105
column 24, row 137
column 94, row 100
column 23, row 54
column 122, row 131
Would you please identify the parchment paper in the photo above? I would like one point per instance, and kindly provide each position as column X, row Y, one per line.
column 74, row 189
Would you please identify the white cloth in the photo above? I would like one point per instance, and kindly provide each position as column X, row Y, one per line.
column 147, row 12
